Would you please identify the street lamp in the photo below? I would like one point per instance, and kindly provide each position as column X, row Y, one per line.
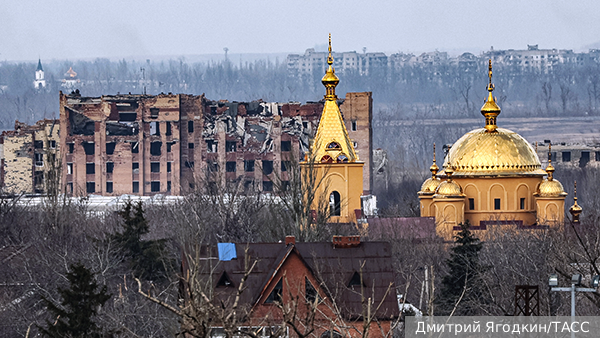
column 575, row 282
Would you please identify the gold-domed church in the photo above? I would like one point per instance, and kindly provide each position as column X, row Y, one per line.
column 492, row 176
column 334, row 167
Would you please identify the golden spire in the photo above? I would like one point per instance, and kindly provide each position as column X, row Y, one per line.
column 331, row 142
column 575, row 209
column 490, row 109
column 550, row 168
column 330, row 80
column 449, row 171
column 434, row 168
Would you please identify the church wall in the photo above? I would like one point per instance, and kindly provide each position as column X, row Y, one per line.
column 509, row 190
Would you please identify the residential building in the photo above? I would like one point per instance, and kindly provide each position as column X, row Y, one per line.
column 176, row 143
column 30, row 157
column 293, row 280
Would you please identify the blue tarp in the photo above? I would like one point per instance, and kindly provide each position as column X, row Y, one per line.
column 226, row 251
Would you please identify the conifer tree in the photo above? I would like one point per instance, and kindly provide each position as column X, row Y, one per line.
column 74, row 317
column 462, row 292
column 145, row 257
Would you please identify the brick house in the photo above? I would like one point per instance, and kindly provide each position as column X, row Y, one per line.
column 304, row 289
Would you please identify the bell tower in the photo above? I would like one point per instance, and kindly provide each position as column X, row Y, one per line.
column 337, row 170
column 39, row 81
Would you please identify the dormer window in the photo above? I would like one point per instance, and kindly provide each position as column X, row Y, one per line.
column 225, row 281
column 355, row 280
column 333, row 146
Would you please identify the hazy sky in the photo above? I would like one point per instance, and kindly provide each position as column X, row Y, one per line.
column 68, row 29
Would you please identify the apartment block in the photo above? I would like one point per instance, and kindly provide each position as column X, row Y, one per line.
column 173, row 144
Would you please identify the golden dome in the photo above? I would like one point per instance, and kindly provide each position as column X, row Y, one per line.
column 330, row 80
column 550, row 188
column 493, row 151
column 499, row 153
column 448, row 188
column 430, row 185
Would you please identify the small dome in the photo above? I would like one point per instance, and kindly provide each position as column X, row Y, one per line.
column 429, row 186
column 550, row 188
column 448, row 189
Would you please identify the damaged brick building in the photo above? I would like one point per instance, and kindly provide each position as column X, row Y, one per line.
column 29, row 159
column 169, row 143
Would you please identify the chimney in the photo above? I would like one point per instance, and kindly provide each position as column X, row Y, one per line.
column 346, row 241
column 290, row 240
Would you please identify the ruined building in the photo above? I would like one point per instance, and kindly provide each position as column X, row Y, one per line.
column 30, row 162
column 176, row 143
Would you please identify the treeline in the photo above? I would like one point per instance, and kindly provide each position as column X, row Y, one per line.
column 402, row 92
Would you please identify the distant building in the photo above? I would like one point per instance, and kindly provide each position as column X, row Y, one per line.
column 314, row 63
column 40, row 81
column 175, row 144
column 70, row 80
column 30, row 156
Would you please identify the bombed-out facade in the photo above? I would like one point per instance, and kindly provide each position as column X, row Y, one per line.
column 29, row 159
column 176, row 143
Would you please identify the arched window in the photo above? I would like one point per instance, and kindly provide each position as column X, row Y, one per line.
column 342, row 158
column 334, row 204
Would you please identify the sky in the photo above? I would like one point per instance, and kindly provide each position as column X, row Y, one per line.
column 68, row 29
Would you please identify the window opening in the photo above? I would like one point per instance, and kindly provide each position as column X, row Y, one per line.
column 224, row 281
column 249, row 165
column 90, row 168
column 286, row 145
column 355, row 280
column 168, row 132
column 230, row 146
column 267, row 186
column 89, row 148
column 267, row 167
column 211, row 146
column 110, row 148
column 275, row 295
column 310, row 291
column 155, row 148
column 90, row 187
column 497, row 204
column 522, row 203
column 334, row 204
